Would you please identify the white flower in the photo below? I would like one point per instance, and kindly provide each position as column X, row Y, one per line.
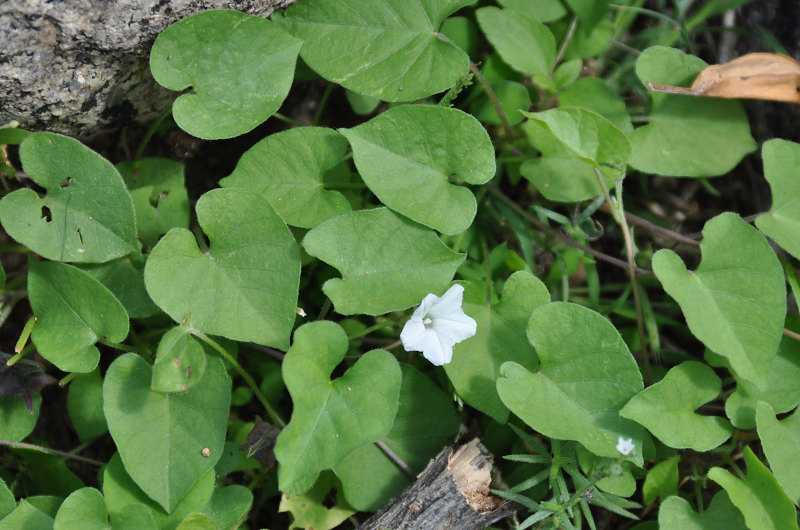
column 437, row 325
column 625, row 446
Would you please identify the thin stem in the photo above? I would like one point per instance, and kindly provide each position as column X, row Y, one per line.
column 118, row 346
column 570, row 32
column 792, row 334
column 622, row 220
column 652, row 227
column 153, row 128
column 273, row 414
column 497, row 107
column 396, row 459
column 558, row 235
column 485, row 248
column 26, row 333
column 286, row 119
column 367, row 331
column 17, row 356
column 55, row 452
column 322, row 102
column 67, row 379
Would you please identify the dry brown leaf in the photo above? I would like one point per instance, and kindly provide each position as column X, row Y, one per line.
column 768, row 76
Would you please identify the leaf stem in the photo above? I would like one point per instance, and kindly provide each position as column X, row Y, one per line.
column 497, row 107
column 618, row 212
column 118, row 346
column 54, row 452
column 792, row 334
column 67, row 379
column 563, row 48
column 396, row 459
column 273, row 414
column 24, row 336
column 652, row 227
column 17, row 356
column 558, row 235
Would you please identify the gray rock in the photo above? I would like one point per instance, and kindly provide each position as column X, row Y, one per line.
column 80, row 67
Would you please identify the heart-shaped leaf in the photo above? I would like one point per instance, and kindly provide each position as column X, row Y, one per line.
column 162, row 438
column 73, row 312
column 128, row 504
column 475, row 367
column 388, row 263
column 180, row 361
column 586, row 376
column 87, row 214
column 426, row 421
column 27, row 516
column 523, row 42
column 409, row 156
column 245, row 286
column 687, row 136
column 159, row 196
column 390, row 49
column 287, row 169
column 721, row 514
column 758, row 496
column 667, row 408
column 781, row 443
column 782, row 222
column 240, row 66
column 84, row 509
column 331, row 419
column 735, row 302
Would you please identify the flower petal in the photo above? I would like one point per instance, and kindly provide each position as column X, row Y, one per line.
column 448, row 303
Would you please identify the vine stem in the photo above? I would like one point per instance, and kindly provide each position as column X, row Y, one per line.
column 792, row 334
column 558, row 235
column 618, row 212
column 497, row 107
column 396, row 459
column 652, row 227
column 273, row 414
column 55, row 452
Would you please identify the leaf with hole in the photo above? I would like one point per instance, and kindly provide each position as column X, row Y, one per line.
column 387, row 262
column 162, row 438
column 390, row 49
column 86, row 214
column 331, row 419
column 73, row 312
column 587, row 374
column 287, row 169
column 500, row 337
column 244, row 287
column 412, row 156
column 735, row 302
column 240, row 68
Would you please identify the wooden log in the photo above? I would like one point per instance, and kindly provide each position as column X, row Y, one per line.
column 452, row 492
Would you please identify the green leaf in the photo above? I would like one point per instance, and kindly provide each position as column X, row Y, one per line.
column 586, row 376
column 73, row 312
column 245, row 286
column 721, row 514
column 667, row 408
column 759, row 497
column 159, row 196
column 16, row 421
column 84, row 509
column 426, row 421
column 331, row 419
column 287, row 169
column 239, row 66
column 409, row 155
column 124, row 278
column 476, row 363
column 7, row 502
column 161, row 437
column 523, row 42
column 541, row 10
column 661, row 481
column 781, row 443
column 85, row 406
column 69, row 223
column 387, row 262
column 782, row 222
column 49, row 475
column 309, row 511
column 735, row 302
column 26, row 516
column 180, row 361
column 781, row 390
column 575, row 143
column 389, row 49
column 131, row 508
column 596, row 95
column 687, row 136
column 589, row 12
column 228, row 506
column 197, row 521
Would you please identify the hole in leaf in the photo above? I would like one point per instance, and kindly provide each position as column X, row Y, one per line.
column 47, row 215
column 67, row 182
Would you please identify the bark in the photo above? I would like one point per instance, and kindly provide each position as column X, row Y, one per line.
column 80, row 67
column 451, row 493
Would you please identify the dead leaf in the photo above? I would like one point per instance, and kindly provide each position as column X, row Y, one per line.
column 23, row 379
column 767, row 76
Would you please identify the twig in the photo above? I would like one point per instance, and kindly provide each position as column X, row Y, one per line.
column 55, row 452
column 792, row 334
column 570, row 32
column 396, row 459
column 652, row 227
column 497, row 107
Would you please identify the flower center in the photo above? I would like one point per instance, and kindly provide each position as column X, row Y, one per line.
column 427, row 321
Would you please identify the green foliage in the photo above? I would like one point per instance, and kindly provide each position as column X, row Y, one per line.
column 544, row 191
